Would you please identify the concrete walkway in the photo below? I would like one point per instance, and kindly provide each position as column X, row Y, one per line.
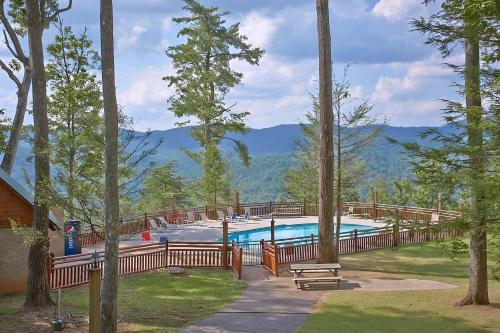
column 269, row 304
column 274, row 305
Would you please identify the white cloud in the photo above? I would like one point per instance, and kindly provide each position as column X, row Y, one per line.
column 349, row 9
column 413, row 112
column 129, row 38
column 147, row 88
column 259, row 28
column 394, row 9
column 418, row 73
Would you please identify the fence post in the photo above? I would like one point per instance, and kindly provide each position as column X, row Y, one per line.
column 224, row 243
column 272, row 229
column 262, row 251
column 355, row 240
column 166, row 254
column 94, row 300
column 312, row 246
column 428, row 231
column 304, row 210
column 270, row 207
column 395, row 231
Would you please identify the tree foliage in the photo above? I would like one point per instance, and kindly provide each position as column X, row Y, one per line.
column 75, row 119
column 471, row 152
column 160, row 186
column 204, row 75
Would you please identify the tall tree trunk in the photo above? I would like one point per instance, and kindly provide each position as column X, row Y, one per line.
column 17, row 126
column 325, row 219
column 112, row 221
column 478, row 270
column 38, row 292
column 339, row 187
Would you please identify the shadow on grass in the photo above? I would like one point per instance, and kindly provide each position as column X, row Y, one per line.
column 347, row 318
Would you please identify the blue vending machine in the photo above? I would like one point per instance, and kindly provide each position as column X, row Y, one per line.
column 72, row 243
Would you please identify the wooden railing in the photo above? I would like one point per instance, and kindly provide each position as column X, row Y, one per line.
column 306, row 248
column 140, row 222
column 73, row 270
column 237, row 259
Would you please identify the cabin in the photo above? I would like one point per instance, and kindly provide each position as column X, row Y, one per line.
column 16, row 203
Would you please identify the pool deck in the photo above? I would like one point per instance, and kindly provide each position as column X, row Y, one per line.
column 206, row 232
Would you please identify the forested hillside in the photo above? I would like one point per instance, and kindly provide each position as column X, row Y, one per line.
column 272, row 153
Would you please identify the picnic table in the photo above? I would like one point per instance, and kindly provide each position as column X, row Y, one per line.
column 300, row 280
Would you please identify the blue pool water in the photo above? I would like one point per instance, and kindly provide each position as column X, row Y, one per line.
column 286, row 231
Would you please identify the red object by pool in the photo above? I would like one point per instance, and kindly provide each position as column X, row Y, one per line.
column 146, row 236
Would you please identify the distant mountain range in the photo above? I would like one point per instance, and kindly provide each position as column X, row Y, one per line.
column 271, row 150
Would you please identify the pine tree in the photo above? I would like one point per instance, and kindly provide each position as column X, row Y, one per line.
column 75, row 120
column 472, row 154
column 203, row 76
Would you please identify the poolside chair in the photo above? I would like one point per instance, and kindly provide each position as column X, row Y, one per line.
column 349, row 211
column 146, row 236
column 234, row 218
column 230, row 211
column 190, row 217
column 152, row 224
column 220, row 215
column 162, row 221
column 245, row 217
column 205, row 219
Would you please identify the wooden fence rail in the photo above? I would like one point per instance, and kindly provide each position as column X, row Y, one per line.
column 73, row 270
column 140, row 222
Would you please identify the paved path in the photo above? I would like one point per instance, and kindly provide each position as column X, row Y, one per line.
column 269, row 304
column 274, row 305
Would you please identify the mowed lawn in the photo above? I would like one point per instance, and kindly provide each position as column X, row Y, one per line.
column 148, row 302
column 409, row 311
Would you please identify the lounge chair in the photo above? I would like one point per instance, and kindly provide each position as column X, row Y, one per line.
column 152, row 224
column 190, row 217
column 220, row 215
column 162, row 221
column 230, row 211
column 234, row 217
column 245, row 217
column 205, row 219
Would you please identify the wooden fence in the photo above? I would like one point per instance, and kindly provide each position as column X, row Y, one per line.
column 140, row 222
column 73, row 270
column 306, row 248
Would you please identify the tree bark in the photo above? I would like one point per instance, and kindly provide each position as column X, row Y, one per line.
column 17, row 126
column 112, row 220
column 325, row 220
column 38, row 291
column 339, row 187
column 478, row 274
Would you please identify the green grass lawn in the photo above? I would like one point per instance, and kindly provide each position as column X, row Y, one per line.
column 148, row 302
column 409, row 311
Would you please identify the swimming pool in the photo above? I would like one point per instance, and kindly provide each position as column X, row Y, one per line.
column 286, row 231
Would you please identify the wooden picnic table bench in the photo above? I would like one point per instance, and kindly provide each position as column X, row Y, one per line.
column 300, row 280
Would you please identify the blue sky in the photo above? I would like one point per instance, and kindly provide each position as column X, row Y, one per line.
column 391, row 66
